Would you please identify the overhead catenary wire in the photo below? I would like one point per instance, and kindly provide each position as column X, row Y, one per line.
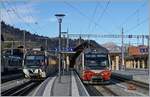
column 131, row 15
column 19, row 17
column 93, row 16
column 103, row 12
column 82, row 14
column 31, row 15
column 9, row 12
column 137, row 25
column 4, row 16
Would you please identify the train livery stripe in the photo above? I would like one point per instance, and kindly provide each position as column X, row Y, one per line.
column 75, row 91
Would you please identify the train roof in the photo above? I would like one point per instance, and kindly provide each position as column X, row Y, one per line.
column 95, row 52
column 91, row 47
column 99, row 50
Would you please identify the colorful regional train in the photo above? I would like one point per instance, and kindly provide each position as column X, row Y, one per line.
column 94, row 67
column 39, row 64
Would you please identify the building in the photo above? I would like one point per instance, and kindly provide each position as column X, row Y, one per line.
column 135, row 57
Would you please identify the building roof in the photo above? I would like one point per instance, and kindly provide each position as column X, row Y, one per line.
column 86, row 46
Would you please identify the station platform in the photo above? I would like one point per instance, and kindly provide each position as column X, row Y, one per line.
column 140, row 75
column 70, row 85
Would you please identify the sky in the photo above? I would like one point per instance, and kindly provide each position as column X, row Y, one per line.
column 82, row 17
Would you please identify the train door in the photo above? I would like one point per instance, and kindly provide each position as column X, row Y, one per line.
column 109, row 62
column 82, row 65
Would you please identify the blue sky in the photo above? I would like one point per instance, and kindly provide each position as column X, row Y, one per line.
column 81, row 17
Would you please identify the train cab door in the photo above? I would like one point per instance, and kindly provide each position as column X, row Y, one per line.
column 83, row 64
column 109, row 62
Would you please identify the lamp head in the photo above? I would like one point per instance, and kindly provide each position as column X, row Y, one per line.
column 59, row 16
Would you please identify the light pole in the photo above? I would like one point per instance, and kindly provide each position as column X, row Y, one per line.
column 59, row 17
column 46, row 47
column 67, row 44
column 12, row 47
column 122, row 53
column 64, row 34
column 24, row 40
column 24, row 48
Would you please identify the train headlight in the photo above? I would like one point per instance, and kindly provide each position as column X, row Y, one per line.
column 105, row 73
column 37, row 71
column 102, row 74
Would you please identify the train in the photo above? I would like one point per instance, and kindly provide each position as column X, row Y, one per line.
column 11, row 60
column 93, row 67
column 39, row 64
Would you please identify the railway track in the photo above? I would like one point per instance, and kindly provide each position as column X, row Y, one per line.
column 100, row 90
column 21, row 90
column 7, row 78
column 110, row 90
column 93, row 91
column 139, row 88
column 136, row 83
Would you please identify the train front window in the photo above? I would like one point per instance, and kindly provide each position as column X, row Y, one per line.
column 34, row 61
column 96, row 62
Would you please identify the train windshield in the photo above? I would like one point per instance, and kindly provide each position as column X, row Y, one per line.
column 34, row 61
column 96, row 61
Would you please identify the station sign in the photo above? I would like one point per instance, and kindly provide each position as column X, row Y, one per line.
column 143, row 50
column 64, row 49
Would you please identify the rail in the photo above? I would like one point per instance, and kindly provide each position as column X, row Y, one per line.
column 20, row 90
column 130, row 81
